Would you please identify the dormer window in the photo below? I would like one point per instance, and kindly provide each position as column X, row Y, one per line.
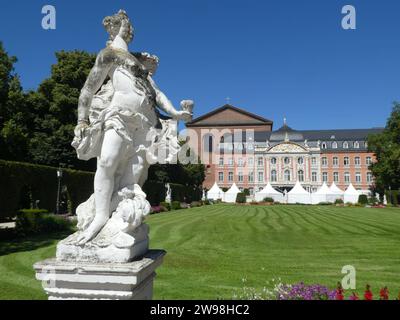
column 356, row 145
column 345, row 145
column 323, row 145
column 334, row 145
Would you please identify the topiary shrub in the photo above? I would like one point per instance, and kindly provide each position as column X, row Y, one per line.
column 269, row 200
column 241, row 198
column 339, row 201
column 363, row 199
column 176, row 205
column 166, row 205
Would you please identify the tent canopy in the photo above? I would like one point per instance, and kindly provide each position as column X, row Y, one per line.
column 351, row 190
column 269, row 192
column 231, row 194
column 335, row 189
column 268, row 189
column 215, row 193
column 351, row 194
column 298, row 189
column 298, row 195
column 324, row 190
column 233, row 190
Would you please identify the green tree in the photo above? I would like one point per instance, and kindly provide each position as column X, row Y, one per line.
column 14, row 112
column 386, row 147
column 55, row 108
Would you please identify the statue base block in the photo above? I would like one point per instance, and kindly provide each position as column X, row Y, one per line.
column 99, row 281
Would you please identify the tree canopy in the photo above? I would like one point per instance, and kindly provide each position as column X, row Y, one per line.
column 386, row 147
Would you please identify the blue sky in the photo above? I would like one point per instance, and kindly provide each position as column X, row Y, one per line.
column 274, row 58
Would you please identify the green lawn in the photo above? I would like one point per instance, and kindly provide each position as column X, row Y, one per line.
column 211, row 249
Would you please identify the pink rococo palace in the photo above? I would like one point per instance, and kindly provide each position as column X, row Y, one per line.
column 243, row 148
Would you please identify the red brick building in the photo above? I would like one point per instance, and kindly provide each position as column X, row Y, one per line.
column 241, row 147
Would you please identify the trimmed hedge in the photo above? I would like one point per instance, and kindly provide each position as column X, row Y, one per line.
column 23, row 183
column 363, row 199
column 241, row 198
column 156, row 192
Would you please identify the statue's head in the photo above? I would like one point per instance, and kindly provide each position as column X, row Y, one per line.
column 119, row 24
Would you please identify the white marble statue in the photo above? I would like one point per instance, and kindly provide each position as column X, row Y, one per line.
column 119, row 124
column 168, row 194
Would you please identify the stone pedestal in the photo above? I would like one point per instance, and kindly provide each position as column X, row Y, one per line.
column 99, row 281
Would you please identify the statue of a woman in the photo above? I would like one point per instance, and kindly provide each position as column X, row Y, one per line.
column 114, row 123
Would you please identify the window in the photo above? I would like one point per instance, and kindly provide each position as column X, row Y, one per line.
column 286, row 160
column 313, row 161
column 220, row 176
column 368, row 161
column 300, row 160
column 324, row 161
column 230, row 162
column 325, row 176
column 273, row 176
column 334, row 145
column 251, row 176
column 356, row 145
column 335, row 161
column 273, row 160
column 369, row 177
column 314, row 176
column 240, row 176
column 251, row 162
column 251, row 191
column 345, row 145
column 336, row 176
column 260, row 161
column 323, row 145
column 221, row 161
column 357, row 161
column 230, row 176
column 358, row 177
column 260, row 176
column 300, row 175
column 287, row 175
column 346, row 161
column 347, row 177
column 240, row 162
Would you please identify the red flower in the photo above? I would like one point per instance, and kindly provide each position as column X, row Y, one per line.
column 339, row 292
column 384, row 293
column 368, row 295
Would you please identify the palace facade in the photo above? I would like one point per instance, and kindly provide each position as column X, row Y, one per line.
column 240, row 147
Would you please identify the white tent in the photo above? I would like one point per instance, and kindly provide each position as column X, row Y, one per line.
column 269, row 192
column 299, row 195
column 231, row 194
column 351, row 195
column 324, row 194
column 215, row 193
column 338, row 194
